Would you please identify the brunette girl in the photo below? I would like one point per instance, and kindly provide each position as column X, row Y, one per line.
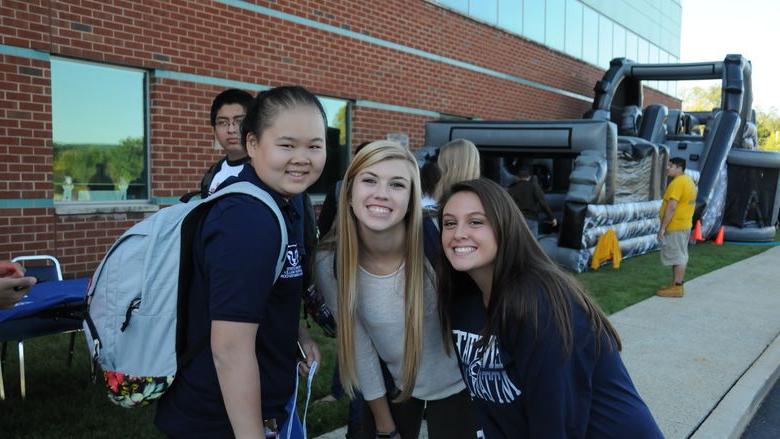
column 538, row 356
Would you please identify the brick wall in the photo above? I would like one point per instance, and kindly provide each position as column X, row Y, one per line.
column 218, row 41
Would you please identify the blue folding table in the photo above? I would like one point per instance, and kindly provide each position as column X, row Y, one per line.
column 49, row 308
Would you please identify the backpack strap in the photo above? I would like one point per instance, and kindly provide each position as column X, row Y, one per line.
column 247, row 188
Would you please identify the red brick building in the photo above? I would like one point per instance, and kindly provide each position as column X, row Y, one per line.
column 386, row 67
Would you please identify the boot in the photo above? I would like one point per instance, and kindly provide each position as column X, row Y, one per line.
column 671, row 291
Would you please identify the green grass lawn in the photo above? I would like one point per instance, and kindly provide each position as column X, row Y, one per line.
column 61, row 403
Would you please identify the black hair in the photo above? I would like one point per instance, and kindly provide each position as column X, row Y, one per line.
column 359, row 147
column 528, row 288
column 679, row 162
column 227, row 97
column 268, row 104
column 430, row 174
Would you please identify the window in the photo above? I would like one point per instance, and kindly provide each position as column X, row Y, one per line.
column 510, row 15
column 458, row 5
column 605, row 41
column 533, row 19
column 99, row 132
column 590, row 35
column 554, row 29
column 631, row 43
column 338, row 143
column 619, row 42
column 642, row 51
column 485, row 10
column 574, row 28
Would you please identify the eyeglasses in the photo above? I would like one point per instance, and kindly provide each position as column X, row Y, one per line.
column 223, row 124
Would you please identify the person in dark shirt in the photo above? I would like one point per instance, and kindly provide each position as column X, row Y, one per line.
column 529, row 197
column 538, row 356
column 243, row 379
column 227, row 112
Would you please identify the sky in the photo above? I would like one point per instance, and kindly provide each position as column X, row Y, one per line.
column 101, row 87
column 711, row 29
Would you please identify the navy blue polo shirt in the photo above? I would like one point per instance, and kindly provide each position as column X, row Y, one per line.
column 522, row 386
column 235, row 253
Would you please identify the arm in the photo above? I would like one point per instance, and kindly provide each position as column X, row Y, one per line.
column 240, row 273
column 233, row 347
column 383, row 419
column 671, row 206
column 539, row 195
column 559, row 389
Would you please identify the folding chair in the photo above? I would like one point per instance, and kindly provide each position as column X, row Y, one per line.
column 44, row 268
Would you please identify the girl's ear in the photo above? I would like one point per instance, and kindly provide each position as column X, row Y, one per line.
column 251, row 143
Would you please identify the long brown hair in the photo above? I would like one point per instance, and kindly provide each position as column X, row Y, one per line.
column 522, row 273
column 347, row 244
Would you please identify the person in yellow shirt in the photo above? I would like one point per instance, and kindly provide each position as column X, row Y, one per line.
column 676, row 217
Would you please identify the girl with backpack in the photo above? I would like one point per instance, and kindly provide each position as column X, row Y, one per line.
column 239, row 383
column 374, row 274
column 539, row 358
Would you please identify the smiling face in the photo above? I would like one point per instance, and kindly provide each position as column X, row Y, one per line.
column 467, row 237
column 380, row 195
column 227, row 129
column 290, row 154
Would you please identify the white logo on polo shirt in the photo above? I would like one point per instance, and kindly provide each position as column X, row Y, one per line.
column 292, row 268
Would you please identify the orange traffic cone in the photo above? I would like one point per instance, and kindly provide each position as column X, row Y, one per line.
column 719, row 237
column 697, row 232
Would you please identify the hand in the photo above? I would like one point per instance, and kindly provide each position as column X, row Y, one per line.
column 554, row 222
column 311, row 350
column 661, row 234
column 14, row 288
column 11, row 269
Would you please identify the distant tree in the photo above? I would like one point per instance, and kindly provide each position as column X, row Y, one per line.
column 126, row 161
column 340, row 122
column 702, row 98
column 768, row 124
column 767, row 121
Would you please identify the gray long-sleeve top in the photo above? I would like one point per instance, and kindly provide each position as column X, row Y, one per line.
column 379, row 329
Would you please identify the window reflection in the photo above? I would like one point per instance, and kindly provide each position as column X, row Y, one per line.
column 460, row 5
column 99, row 132
column 631, row 46
column 574, row 28
column 510, row 15
column 618, row 41
column 605, row 41
column 577, row 29
column 554, row 29
column 533, row 19
column 485, row 10
column 590, row 35
column 337, row 111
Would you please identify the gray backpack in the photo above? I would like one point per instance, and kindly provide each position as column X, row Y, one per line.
column 136, row 295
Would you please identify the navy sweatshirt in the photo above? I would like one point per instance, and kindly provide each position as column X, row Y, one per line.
column 523, row 386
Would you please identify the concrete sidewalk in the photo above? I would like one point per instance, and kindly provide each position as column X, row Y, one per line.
column 687, row 356
column 704, row 361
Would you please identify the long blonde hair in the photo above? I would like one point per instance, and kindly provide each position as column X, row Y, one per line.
column 458, row 161
column 347, row 249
